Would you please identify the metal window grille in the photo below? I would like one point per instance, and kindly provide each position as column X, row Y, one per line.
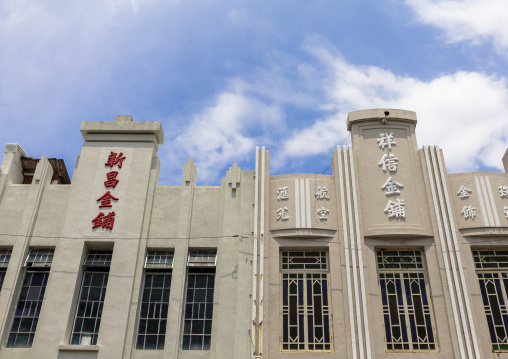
column 39, row 258
column 159, row 259
column 91, row 298
column 407, row 311
column 306, row 310
column 197, row 331
column 155, row 301
column 406, row 259
column 154, row 311
column 490, row 259
column 202, row 258
column 491, row 269
column 2, row 277
column 98, row 259
column 5, row 256
column 31, row 296
column 304, row 260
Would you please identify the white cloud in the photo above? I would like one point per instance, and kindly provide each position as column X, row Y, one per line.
column 466, row 113
column 476, row 21
column 60, row 61
column 222, row 134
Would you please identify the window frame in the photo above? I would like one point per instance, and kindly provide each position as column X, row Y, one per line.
column 96, row 261
column 5, row 256
column 306, row 275
column 34, row 314
column 414, row 271
column 164, row 267
column 488, row 271
column 202, row 268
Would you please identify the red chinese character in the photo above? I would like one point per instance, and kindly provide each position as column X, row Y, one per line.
column 111, row 181
column 113, row 159
column 104, row 221
column 106, row 199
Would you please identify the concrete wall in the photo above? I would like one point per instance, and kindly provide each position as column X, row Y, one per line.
column 249, row 223
column 148, row 216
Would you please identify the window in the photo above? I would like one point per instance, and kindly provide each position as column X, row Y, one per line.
column 5, row 256
column 407, row 310
column 153, row 315
column 31, row 296
column 492, row 270
column 197, row 329
column 306, row 312
column 91, row 298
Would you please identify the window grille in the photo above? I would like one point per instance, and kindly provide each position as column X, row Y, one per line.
column 159, row 259
column 491, row 269
column 197, row 328
column 306, row 310
column 304, row 260
column 5, row 256
column 407, row 310
column 98, row 259
column 2, row 277
column 91, row 298
column 155, row 301
column 202, row 258
column 197, row 331
column 31, row 296
column 39, row 258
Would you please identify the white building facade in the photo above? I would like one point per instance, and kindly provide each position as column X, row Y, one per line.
column 388, row 257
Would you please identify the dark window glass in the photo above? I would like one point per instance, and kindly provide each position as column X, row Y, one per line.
column 31, row 296
column 2, row 277
column 406, row 306
column 26, row 314
column 305, row 306
column 197, row 327
column 91, row 298
column 491, row 267
column 5, row 256
column 154, row 311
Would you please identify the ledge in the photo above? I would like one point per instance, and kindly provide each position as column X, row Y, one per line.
column 379, row 114
column 397, row 231
column 485, row 232
column 128, row 131
column 78, row 348
column 303, row 233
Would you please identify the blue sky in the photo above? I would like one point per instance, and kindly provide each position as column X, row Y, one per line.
column 226, row 76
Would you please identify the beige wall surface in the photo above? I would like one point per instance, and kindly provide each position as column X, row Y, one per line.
column 249, row 219
column 12, row 207
column 146, row 216
column 370, row 154
column 310, row 203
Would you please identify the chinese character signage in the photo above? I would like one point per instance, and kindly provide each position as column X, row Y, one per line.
column 302, row 203
column 479, row 201
column 107, row 200
column 389, row 162
column 388, row 176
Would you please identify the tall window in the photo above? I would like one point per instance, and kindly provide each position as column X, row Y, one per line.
column 407, row 310
column 91, row 298
column 153, row 315
column 197, row 328
column 26, row 315
column 492, row 270
column 5, row 256
column 305, row 302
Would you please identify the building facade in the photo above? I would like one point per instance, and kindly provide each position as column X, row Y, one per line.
column 388, row 257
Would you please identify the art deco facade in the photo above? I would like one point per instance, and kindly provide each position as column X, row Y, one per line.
column 388, row 257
